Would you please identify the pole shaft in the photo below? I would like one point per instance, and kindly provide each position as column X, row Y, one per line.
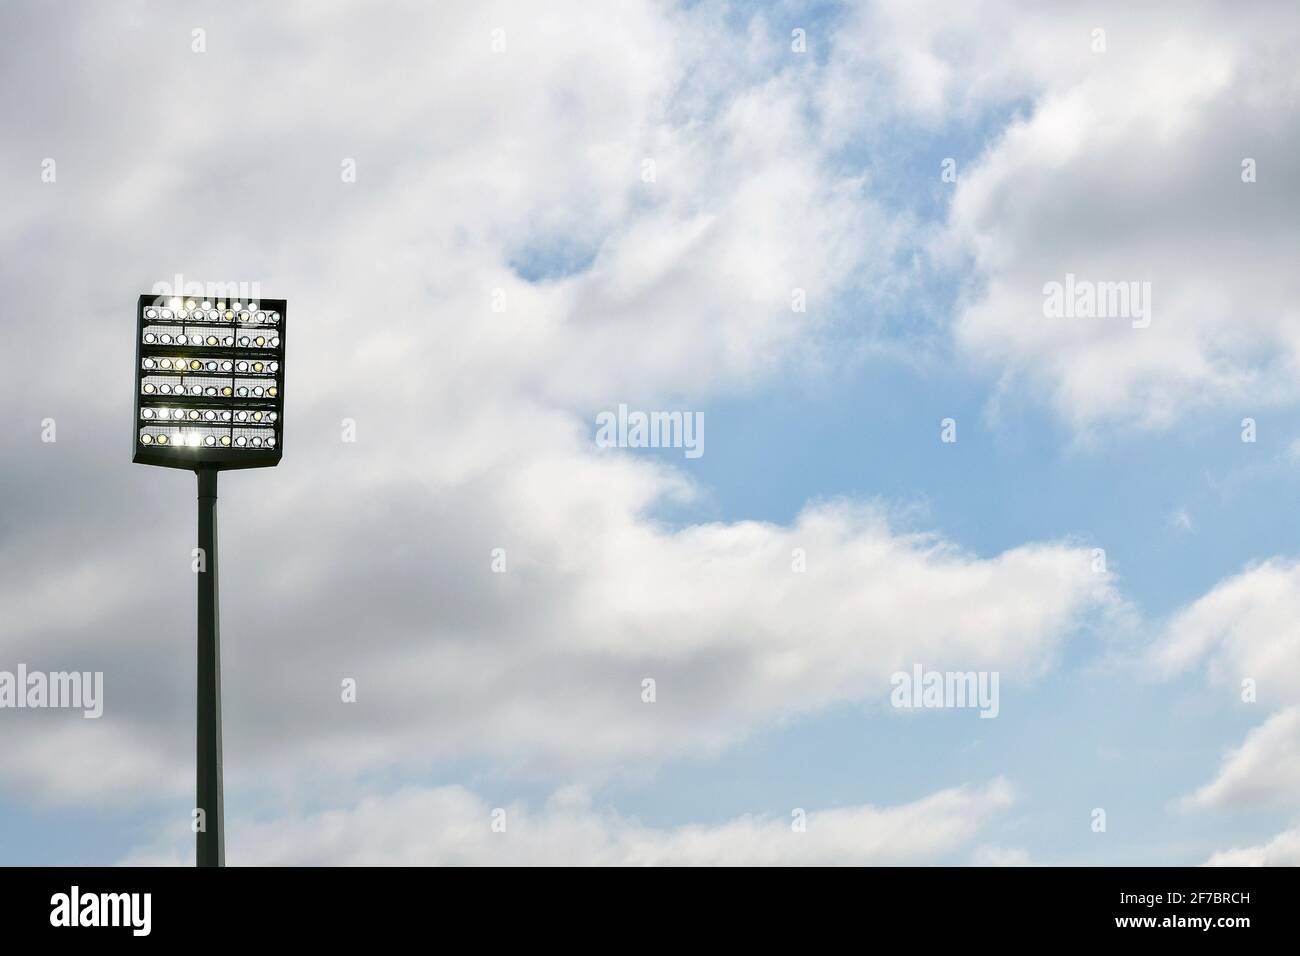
column 210, row 840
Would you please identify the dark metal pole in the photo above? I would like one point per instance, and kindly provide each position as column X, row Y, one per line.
column 210, row 840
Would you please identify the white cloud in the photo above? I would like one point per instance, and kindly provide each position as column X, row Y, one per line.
column 1244, row 628
column 65, row 758
column 450, row 826
column 1242, row 631
column 542, row 666
column 1001, row 856
column 1282, row 850
column 1115, row 166
column 1264, row 769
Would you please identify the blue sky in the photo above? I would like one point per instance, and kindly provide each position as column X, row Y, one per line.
column 516, row 174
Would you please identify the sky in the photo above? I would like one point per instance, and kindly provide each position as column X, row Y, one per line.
column 829, row 232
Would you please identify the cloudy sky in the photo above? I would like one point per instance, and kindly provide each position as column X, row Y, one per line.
column 826, row 228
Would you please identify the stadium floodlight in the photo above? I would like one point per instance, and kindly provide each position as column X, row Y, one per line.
column 209, row 396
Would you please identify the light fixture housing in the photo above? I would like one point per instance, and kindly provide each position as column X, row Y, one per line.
column 185, row 446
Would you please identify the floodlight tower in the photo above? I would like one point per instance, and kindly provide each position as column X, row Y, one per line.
column 209, row 395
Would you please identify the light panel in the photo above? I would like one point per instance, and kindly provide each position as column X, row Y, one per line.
column 209, row 381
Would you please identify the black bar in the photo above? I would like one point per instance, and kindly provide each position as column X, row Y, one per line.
column 810, row 911
column 209, row 840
